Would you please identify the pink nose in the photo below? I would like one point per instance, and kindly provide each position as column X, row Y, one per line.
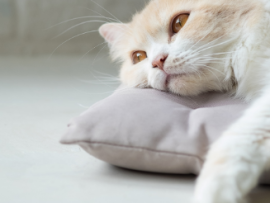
column 159, row 61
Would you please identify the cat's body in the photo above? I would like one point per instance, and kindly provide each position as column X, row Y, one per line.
column 189, row 47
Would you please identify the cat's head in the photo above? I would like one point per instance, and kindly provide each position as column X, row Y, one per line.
column 183, row 46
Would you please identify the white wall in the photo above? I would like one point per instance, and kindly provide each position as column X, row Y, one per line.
column 24, row 23
column 6, row 24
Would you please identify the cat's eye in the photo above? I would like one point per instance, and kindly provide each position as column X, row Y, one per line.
column 179, row 22
column 139, row 56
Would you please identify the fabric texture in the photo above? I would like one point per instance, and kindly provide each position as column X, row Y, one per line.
column 149, row 130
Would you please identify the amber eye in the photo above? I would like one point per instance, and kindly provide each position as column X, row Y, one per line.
column 139, row 56
column 179, row 22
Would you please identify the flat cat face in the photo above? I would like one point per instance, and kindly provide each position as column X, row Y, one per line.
column 183, row 46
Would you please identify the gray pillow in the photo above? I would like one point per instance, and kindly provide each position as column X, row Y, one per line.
column 154, row 131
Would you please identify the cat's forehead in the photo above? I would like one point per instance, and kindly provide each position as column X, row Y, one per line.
column 213, row 19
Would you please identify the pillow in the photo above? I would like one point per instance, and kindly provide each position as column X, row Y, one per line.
column 154, row 131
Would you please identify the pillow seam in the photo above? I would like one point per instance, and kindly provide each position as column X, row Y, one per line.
column 140, row 148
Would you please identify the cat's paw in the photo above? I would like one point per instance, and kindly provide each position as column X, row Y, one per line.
column 216, row 189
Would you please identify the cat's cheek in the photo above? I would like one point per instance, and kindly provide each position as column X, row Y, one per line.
column 133, row 76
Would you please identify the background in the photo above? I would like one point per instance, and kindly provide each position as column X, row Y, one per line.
column 26, row 25
column 53, row 66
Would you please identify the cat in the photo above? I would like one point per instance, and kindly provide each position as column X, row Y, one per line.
column 189, row 47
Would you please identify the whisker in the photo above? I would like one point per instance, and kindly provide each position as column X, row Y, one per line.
column 212, row 62
column 202, row 48
column 113, row 19
column 211, row 68
column 107, row 11
column 221, row 53
column 77, row 25
column 211, row 72
column 110, row 78
column 94, row 11
column 216, row 45
column 106, row 74
column 71, row 39
column 91, row 50
column 213, row 58
column 210, row 59
column 199, row 41
column 78, row 18
column 83, row 106
column 107, row 78
column 100, row 93
column 102, row 80
column 98, row 54
column 94, row 82
column 196, row 71
column 211, row 42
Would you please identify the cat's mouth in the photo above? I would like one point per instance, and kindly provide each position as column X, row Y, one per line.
column 182, row 74
column 172, row 76
column 176, row 77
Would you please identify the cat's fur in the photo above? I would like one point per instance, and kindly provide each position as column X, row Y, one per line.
column 225, row 46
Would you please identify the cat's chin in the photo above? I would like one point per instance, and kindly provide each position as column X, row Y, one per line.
column 184, row 84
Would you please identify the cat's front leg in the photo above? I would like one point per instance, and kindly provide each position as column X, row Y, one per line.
column 233, row 168
column 237, row 160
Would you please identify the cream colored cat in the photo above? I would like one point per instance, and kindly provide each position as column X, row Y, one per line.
column 189, row 47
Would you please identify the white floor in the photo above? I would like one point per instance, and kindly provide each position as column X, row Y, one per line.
column 38, row 97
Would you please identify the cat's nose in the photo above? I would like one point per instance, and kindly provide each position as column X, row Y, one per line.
column 159, row 61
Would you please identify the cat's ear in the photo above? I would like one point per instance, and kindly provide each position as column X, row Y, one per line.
column 112, row 32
